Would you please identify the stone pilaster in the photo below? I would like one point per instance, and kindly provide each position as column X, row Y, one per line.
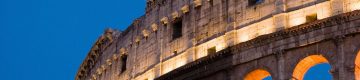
column 281, row 73
column 281, row 17
column 338, row 70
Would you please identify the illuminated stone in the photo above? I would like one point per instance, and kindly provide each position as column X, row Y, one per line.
column 228, row 36
column 123, row 51
column 98, row 71
column 108, row 62
column 94, row 77
column 154, row 27
column 145, row 33
column 185, row 9
column 137, row 39
column 175, row 15
column 114, row 57
column 164, row 20
column 197, row 3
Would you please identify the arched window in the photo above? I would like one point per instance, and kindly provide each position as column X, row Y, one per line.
column 123, row 61
column 177, row 28
column 319, row 72
column 259, row 74
column 305, row 64
column 254, row 2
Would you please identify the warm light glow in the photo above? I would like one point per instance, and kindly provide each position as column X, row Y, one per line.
column 98, row 71
column 265, row 27
column 166, row 67
column 137, row 39
column 164, row 20
column 180, row 61
column 114, row 57
column 175, row 15
column 218, row 42
column 145, row 33
column 357, row 66
column 154, row 27
column 258, row 74
column 185, row 9
column 200, row 52
column 151, row 75
column 243, row 38
column 148, row 75
column 108, row 62
column 174, row 63
column 252, row 31
column 122, row 51
column 305, row 64
column 355, row 5
column 197, row 3
column 323, row 10
column 296, row 19
column 243, row 34
column 94, row 77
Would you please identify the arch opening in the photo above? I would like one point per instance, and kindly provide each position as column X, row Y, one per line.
column 319, row 72
column 259, row 74
column 305, row 64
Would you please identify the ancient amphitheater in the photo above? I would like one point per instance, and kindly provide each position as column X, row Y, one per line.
column 230, row 40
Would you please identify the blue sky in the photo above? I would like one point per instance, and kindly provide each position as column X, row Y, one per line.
column 48, row 39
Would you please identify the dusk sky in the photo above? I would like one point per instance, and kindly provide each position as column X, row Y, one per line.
column 49, row 39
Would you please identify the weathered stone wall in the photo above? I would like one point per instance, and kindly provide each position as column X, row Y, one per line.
column 151, row 51
column 338, row 43
column 335, row 39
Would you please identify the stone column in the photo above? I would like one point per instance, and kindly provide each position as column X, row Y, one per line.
column 341, row 71
column 281, row 71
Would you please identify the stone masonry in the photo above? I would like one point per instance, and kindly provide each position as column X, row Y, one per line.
column 230, row 40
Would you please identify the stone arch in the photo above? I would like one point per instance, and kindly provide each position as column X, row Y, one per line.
column 305, row 64
column 257, row 74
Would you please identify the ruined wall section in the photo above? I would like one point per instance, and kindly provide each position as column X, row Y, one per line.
column 152, row 51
